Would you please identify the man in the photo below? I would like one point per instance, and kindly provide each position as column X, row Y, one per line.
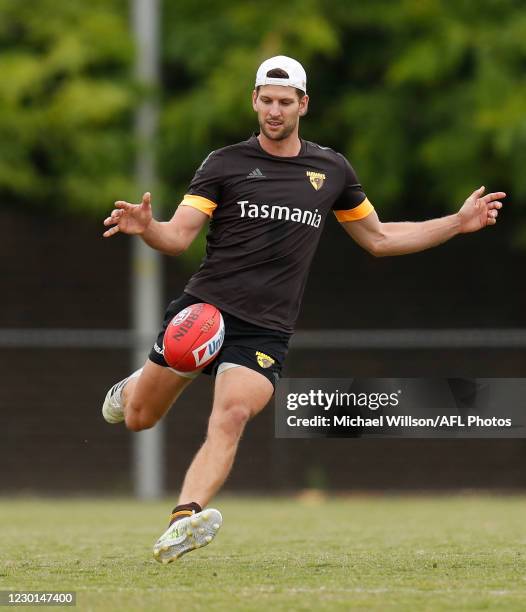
column 267, row 199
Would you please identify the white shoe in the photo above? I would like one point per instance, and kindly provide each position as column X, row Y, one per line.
column 187, row 534
column 112, row 408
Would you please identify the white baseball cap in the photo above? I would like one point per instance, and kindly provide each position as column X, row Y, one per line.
column 297, row 76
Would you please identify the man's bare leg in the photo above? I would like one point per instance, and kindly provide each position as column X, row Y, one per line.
column 240, row 394
column 146, row 398
column 149, row 397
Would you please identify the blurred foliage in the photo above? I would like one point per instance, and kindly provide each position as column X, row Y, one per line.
column 427, row 98
column 66, row 103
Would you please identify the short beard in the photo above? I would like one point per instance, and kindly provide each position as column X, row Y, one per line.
column 287, row 131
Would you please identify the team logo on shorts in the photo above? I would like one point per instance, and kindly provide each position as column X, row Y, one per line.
column 316, row 179
column 264, row 361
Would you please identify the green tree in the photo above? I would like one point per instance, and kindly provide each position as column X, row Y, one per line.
column 65, row 104
column 435, row 98
column 210, row 60
column 426, row 97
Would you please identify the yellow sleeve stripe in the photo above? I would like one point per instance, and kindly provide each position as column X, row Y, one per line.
column 356, row 213
column 202, row 204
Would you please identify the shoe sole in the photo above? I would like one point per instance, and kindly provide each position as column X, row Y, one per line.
column 201, row 530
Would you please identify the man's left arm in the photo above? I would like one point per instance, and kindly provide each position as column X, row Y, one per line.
column 384, row 239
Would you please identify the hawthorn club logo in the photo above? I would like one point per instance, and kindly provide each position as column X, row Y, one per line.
column 264, row 361
column 316, row 179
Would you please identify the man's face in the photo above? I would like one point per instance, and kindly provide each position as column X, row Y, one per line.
column 279, row 110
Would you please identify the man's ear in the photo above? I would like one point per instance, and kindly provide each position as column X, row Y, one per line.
column 304, row 105
column 254, row 98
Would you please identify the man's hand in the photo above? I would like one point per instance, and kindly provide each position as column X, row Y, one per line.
column 480, row 210
column 129, row 218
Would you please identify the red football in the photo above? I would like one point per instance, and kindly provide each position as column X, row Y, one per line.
column 193, row 337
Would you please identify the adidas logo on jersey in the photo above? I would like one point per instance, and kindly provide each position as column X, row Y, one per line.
column 256, row 173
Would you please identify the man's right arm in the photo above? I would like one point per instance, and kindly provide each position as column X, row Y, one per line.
column 175, row 236
column 171, row 237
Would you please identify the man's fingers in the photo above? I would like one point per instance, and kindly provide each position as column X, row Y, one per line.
column 120, row 213
column 477, row 194
column 490, row 197
column 147, row 199
column 124, row 205
column 496, row 205
column 114, row 217
column 111, row 232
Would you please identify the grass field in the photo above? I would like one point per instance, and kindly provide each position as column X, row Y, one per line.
column 359, row 553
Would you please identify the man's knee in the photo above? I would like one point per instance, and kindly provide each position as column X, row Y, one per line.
column 138, row 419
column 229, row 420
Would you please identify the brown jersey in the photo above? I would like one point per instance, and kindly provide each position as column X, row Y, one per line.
column 267, row 214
